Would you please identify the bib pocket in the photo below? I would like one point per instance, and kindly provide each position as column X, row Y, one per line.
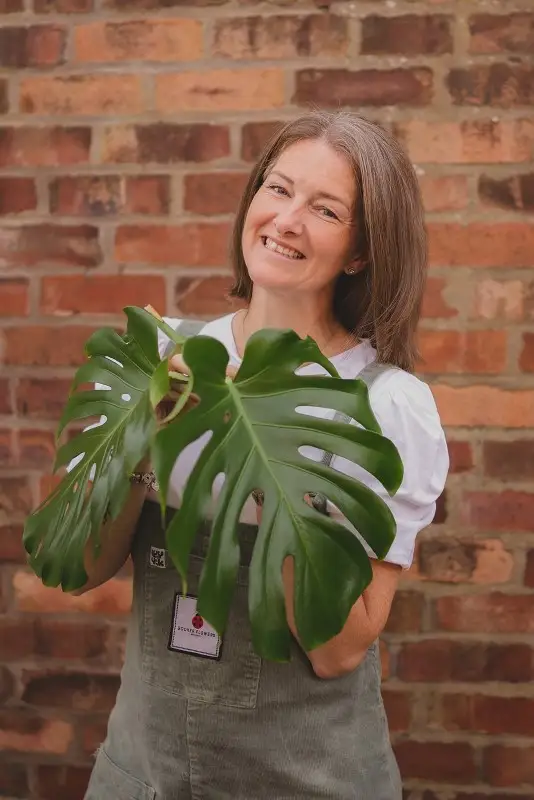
column 110, row 781
column 232, row 680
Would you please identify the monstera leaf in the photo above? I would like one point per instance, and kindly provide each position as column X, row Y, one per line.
column 256, row 437
column 55, row 535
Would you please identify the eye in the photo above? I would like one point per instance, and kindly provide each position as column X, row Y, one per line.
column 277, row 188
column 327, row 212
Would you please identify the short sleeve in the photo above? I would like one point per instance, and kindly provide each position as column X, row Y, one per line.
column 407, row 414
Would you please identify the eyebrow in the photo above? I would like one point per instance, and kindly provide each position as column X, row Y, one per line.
column 320, row 194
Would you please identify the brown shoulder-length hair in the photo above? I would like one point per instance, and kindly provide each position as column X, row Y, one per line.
column 382, row 302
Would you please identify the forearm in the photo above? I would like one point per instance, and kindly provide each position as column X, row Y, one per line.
column 344, row 652
column 115, row 542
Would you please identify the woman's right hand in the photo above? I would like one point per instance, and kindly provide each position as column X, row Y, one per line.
column 177, row 364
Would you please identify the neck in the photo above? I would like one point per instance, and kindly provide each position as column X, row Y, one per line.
column 307, row 316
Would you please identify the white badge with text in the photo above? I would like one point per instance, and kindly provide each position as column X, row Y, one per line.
column 190, row 633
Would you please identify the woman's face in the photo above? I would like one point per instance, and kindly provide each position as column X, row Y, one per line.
column 298, row 232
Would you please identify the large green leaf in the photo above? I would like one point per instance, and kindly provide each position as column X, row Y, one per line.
column 56, row 534
column 256, row 433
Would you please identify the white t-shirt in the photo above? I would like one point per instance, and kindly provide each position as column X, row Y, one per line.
column 407, row 414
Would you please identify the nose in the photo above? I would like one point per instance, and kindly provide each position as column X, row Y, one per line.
column 289, row 221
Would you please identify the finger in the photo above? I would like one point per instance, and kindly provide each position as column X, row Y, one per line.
column 177, row 364
column 231, row 372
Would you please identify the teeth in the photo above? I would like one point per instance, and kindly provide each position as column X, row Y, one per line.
column 285, row 251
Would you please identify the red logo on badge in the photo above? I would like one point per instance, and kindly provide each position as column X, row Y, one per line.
column 197, row 621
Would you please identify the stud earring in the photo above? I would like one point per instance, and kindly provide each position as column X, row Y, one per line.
column 350, row 271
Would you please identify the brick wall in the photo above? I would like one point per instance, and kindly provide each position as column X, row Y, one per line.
column 126, row 131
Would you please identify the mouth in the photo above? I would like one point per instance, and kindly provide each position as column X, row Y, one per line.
column 281, row 250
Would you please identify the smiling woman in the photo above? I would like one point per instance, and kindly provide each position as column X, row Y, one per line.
column 329, row 240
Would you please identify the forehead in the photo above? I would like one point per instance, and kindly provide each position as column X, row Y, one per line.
column 314, row 165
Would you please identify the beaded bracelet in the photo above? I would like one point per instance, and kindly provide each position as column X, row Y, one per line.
column 148, row 478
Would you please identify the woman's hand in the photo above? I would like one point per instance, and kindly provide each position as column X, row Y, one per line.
column 166, row 405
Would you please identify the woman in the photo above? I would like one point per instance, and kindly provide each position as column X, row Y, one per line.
column 329, row 240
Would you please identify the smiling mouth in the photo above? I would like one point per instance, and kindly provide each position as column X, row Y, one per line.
column 288, row 252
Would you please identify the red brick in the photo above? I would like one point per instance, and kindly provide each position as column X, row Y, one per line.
column 266, row 37
column 16, row 638
column 165, row 143
column 255, row 136
column 515, row 193
column 441, row 509
column 504, row 511
column 148, row 194
column 488, row 714
column 82, row 95
column 526, row 358
column 171, row 40
column 473, row 406
column 61, row 782
column 70, row 641
column 529, row 569
column 457, row 560
column 27, row 733
column 36, row 448
column 112, row 598
column 7, row 438
column 188, row 245
column 14, row 298
column 4, row 100
column 214, row 193
column 501, row 33
column 149, row 5
column 93, row 734
column 99, row 294
column 498, row 85
column 13, row 777
column 31, row 245
column 36, row 46
column 447, row 193
column 482, row 352
column 508, row 766
column 205, row 297
column 5, row 399
column 15, row 496
column 94, row 195
column 17, row 195
column 41, row 398
column 499, row 299
column 7, row 685
column 406, row 612
column 435, row 304
column 398, row 707
column 460, row 456
column 11, row 7
column 11, row 549
column 371, row 87
column 39, row 345
column 408, row 35
column 44, row 147
column 489, row 613
column 220, row 90
column 469, row 142
column 498, row 244
column 450, row 762
column 75, row 691
column 63, row 6
column 436, row 660
column 509, row 460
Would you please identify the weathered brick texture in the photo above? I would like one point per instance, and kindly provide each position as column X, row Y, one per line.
column 127, row 129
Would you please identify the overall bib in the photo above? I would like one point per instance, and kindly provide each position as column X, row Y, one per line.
column 238, row 728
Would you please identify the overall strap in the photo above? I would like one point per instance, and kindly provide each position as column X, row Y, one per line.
column 187, row 328
column 368, row 375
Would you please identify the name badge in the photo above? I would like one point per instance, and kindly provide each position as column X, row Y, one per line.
column 190, row 633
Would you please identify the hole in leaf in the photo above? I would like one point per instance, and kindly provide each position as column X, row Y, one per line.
column 126, row 397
